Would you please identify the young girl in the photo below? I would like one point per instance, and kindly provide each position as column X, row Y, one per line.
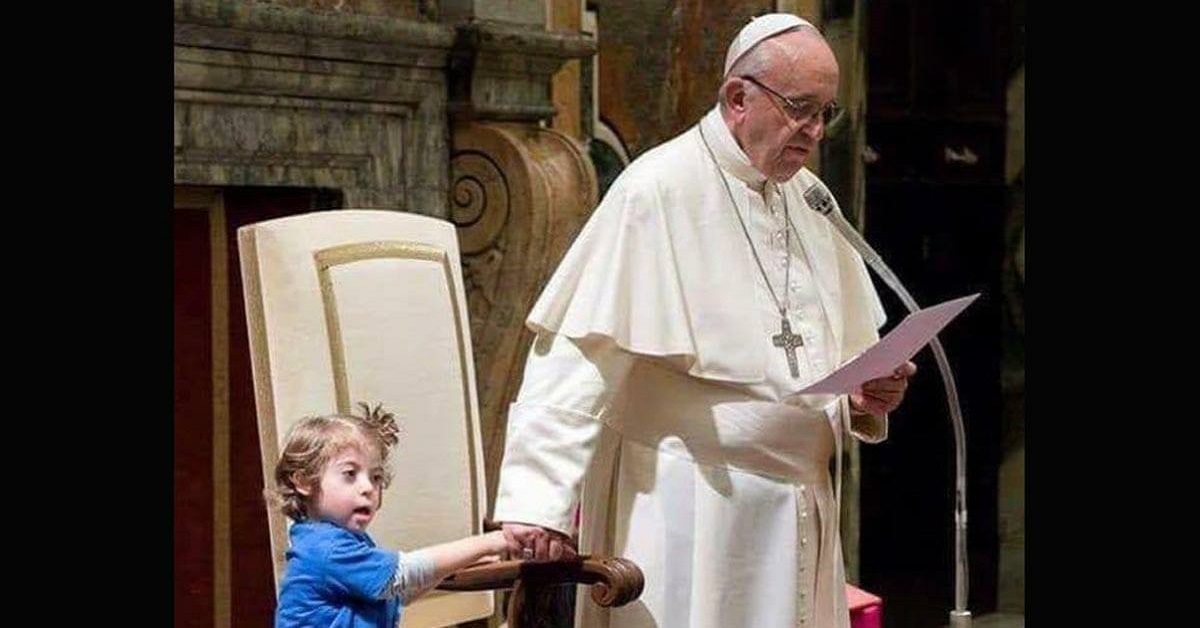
column 329, row 481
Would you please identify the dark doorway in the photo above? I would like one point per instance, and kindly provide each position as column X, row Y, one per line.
column 936, row 207
column 222, row 555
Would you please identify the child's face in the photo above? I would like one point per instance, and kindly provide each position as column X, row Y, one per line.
column 350, row 487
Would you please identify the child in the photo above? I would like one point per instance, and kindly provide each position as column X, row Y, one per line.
column 329, row 481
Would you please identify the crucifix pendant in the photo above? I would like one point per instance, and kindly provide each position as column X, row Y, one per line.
column 788, row 341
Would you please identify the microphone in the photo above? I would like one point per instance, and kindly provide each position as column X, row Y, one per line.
column 818, row 198
column 821, row 201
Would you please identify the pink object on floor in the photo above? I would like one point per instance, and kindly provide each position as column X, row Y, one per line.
column 866, row 610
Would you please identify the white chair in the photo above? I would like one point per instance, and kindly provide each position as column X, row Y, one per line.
column 364, row 305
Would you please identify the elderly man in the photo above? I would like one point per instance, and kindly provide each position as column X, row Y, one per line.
column 660, row 394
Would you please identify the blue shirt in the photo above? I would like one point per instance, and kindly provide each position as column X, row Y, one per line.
column 334, row 577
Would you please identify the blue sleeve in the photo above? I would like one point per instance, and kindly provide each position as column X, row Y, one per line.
column 358, row 568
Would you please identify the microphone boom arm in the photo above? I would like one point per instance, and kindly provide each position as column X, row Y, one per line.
column 819, row 199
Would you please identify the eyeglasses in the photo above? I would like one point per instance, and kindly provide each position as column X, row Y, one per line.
column 802, row 110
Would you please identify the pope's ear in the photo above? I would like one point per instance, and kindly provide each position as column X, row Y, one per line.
column 733, row 95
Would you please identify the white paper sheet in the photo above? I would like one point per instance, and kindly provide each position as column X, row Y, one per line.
column 900, row 344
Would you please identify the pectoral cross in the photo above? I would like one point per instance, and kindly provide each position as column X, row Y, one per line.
column 788, row 341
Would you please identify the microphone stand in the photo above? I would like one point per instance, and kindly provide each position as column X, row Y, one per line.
column 820, row 200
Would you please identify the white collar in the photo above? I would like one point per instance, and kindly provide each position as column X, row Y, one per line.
column 728, row 154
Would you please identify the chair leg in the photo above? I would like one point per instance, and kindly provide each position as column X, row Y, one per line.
column 536, row 604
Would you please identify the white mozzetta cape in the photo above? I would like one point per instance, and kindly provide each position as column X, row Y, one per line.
column 663, row 269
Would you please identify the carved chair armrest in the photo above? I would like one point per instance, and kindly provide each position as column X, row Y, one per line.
column 615, row 581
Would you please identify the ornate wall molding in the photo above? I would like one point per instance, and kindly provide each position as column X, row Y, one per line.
column 503, row 71
column 281, row 96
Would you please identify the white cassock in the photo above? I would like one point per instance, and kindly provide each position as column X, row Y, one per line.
column 654, row 396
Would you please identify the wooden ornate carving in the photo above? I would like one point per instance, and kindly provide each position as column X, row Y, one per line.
column 519, row 195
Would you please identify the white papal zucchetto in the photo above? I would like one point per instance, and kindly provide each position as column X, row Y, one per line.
column 760, row 28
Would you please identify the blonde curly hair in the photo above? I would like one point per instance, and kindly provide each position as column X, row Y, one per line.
column 314, row 441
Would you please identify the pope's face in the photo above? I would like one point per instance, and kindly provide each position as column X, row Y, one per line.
column 778, row 135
